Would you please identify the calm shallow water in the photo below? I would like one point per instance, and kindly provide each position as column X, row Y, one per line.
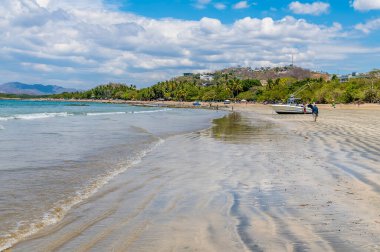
column 53, row 155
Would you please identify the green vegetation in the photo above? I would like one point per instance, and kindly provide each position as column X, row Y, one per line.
column 19, row 96
column 227, row 85
column 108, row 91
column 355, row 90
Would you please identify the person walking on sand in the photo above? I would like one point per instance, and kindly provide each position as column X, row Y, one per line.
column 314, row 111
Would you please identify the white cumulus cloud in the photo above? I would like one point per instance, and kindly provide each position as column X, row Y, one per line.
column 365, row 5
column 241, row 5
column 43, row 3
column 60, row 42
column 316, row 8
column 201, row 4
column 220, row 6
column 369, row 26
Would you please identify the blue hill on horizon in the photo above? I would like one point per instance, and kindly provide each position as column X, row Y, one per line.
column 19, row 88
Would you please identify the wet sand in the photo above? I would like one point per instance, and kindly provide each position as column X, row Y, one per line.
column 255, row 181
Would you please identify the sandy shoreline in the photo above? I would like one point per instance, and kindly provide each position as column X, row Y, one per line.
column 214, row 105
column 255, row 181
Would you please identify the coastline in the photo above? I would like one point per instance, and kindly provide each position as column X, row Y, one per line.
column 253, row 181
column 243, row 106
column 94, row 146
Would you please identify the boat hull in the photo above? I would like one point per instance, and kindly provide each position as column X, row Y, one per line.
column 290, row 109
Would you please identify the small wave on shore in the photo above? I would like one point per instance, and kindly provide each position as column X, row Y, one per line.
column 25, row 229
column 105, row 113
column 34, row 116
column 129, row 112
column 151, row 111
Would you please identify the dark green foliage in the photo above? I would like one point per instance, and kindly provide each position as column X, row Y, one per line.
column 108, row 91
column 228, row 86
column 22, row 96
column 249, row 83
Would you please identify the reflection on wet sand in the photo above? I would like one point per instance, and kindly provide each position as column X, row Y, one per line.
column 238, row 129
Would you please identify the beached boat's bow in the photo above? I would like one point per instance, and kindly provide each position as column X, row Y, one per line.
column 291, row 109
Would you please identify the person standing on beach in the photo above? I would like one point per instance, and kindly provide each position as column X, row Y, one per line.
column 314, row 111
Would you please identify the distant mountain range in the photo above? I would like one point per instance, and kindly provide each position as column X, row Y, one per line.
column 32, row 89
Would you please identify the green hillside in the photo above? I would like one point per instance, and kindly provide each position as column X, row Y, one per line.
column 238, row 84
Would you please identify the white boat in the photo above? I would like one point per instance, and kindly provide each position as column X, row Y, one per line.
column 291, row 107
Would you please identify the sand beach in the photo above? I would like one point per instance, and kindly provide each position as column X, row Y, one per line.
column 148, row 126
column 253, row 181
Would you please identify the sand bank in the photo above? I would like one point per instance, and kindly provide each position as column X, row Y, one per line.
column 255, row 181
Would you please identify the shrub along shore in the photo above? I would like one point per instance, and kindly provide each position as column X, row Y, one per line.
column 359, row 90
column 364, row 89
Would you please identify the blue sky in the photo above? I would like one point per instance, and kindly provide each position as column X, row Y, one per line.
column 84, row 43
column 340, row 11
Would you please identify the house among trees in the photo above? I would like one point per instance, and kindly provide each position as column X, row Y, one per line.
column 264, row 82
column 344, row 78
column 347, row 77
column 206, row 77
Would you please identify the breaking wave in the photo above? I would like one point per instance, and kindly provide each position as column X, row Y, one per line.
column 34, row 116
column 106, row 113
column 151, row 111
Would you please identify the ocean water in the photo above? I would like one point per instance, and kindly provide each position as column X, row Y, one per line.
column 54, row 155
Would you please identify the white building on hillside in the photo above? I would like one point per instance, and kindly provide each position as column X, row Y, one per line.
column 347, row 77
column 206, row 77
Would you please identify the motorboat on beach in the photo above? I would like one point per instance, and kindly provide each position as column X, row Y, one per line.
column 292, row 107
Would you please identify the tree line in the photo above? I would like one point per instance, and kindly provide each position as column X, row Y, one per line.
column 227, row 86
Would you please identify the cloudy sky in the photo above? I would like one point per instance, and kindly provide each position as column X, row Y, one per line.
column 83, row 43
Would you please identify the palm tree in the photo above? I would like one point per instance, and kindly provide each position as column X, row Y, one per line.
column 235, row 86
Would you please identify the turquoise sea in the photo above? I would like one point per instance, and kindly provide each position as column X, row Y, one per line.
column 54, row 155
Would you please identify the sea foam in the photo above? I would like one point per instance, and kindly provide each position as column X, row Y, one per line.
column 34, row 116
column 151, row 111
column 105, row 113
column 131, row 112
